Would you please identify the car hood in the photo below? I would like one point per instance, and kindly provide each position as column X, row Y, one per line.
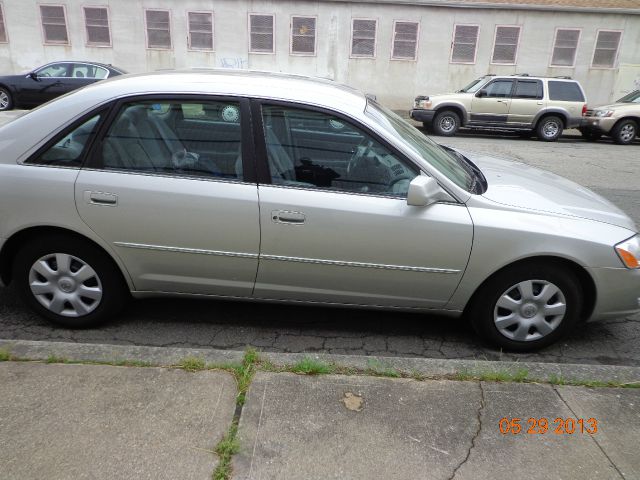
column 619, row 107
column 523, row 186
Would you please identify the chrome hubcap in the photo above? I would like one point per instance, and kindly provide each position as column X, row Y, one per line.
column 628, row 133
column 4, row 100
column 65, row 285
column 529, row 310
column 550, row 129
column 447, row 124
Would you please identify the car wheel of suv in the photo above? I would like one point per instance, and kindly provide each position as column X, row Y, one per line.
column 6, row 103
column 68, row 281
column 624, row 132
column 527, row 307
column 550, row 128
column 446, row 123
column 590, row 135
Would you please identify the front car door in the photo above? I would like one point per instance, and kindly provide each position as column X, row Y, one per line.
column 526, row 102
column 179, row 208
column 335, row 223
column 49, row 82
column 490, row 105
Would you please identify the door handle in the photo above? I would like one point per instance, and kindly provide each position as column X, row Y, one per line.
column 502, row 101
column 286, row 216
column 101, row 198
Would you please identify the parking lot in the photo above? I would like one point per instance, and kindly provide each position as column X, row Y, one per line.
column 608, row 169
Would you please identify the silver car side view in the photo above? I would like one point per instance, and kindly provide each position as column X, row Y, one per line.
column 271, row 187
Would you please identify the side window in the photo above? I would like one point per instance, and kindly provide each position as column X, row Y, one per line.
column 530, row 89
column 56, row 70
column 84, row 70
column 499, row 88
column 565, row 91
column 316, row 150
column 176, row 138
column 67, row 150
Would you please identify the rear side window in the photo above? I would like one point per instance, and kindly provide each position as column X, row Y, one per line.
column 565, row 91
column 531, row 89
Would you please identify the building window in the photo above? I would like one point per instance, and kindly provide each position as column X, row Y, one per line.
column 465, row 43
column 261, row 33
column 505, row 47
column 158, row 28
column 606, row 52
column 565, row 47
column 3, row 30
column 96, row 20
column 363, row 37
column 405, row 40
column 303, row 35
column 54, row 24
column 200, row 30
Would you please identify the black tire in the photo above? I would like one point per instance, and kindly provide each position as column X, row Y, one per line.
column 81, row 311
column 550, row 128
column 446, row 123
column 624, row 132
column 590, row 135
column 427, row 126
column 6, row 102
column 526, row 134
column 484, row 311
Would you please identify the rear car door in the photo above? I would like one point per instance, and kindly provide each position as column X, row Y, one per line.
column 179, row 215
column 492, row 105
column 526, row 102
column 335, row 223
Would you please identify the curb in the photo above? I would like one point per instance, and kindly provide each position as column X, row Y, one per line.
column 427, row 367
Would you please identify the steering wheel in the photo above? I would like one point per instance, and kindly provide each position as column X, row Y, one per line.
column 361, row 151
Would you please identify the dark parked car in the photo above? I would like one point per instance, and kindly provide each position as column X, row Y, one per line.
column 50, row 81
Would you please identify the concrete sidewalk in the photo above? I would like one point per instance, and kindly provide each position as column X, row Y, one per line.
column 60, row 421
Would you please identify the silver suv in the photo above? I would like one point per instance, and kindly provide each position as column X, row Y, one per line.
column 540, row 105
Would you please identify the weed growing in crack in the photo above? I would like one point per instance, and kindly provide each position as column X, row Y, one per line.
column 54, row 359
column 4, row 355
column 519, row 376
column 226, row 448
column 192, row 364
column 377, row 368
column 309, row 366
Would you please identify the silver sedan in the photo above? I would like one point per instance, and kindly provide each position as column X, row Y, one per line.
column 280, row 188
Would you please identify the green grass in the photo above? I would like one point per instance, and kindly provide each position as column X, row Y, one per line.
column 556, row 380
column 377, row 368
column 54, row 359
column 309, row 366
column 192, row 364
column 4, row 355
column 519, row 376
column 226, row 448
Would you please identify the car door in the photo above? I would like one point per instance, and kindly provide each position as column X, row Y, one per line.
column 490, row 105
column 45, row 84
column 340, row 231
column 526, row 102
column 180, row 220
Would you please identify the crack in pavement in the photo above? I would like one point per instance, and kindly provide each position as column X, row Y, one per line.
column 475, row 436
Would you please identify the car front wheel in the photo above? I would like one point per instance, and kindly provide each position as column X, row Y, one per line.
column 69, row 281
column 527, row 307
column 446, row 123
column 550, row 128
column 624, row 132
column 6, row 103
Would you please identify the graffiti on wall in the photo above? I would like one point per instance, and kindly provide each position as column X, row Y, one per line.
column 234, row 62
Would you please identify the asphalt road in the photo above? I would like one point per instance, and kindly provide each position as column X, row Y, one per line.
column 609, row 169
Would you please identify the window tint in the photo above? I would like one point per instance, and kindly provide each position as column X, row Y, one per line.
column 54, row 70
column 528, row 89
column 67, row 150
column 499, row 88
column 83, row 70
column 176, row 138
column 565, row 91
column 317, row 150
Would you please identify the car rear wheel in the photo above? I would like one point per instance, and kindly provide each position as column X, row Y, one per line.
column 6, row 103
column 624, row 132
column 446, row 123
column 69, row 281
column 527, row 307
column 550, row 128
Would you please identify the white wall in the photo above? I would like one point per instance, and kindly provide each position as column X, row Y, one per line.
column 395, row 82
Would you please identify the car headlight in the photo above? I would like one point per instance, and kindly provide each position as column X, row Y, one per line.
column 422, row 102
column 603, row 113
column 629, row 252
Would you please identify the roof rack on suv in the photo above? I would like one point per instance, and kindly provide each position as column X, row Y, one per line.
column 520, row 75
column 566, row 77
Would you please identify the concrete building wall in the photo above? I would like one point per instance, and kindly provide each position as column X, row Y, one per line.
column 395, row 82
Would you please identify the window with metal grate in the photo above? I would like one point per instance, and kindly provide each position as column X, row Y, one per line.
column 3, row 30
column 405, row 40
column 465, row 42
column 54, row 24
column 96, row 20
column 363, row 37
column 565, row 47
column 158, row 29
column 261, row 33
column 505, row 48
column 200, row 30
column 606, row 51
column 303, row 35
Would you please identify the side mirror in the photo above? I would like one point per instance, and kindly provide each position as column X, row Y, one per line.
column 481, row 93
column 424, row 191
column 33, row 76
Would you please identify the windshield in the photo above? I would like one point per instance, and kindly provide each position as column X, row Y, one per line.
column 433, row 153
column 473, row 86
column 633, row 97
